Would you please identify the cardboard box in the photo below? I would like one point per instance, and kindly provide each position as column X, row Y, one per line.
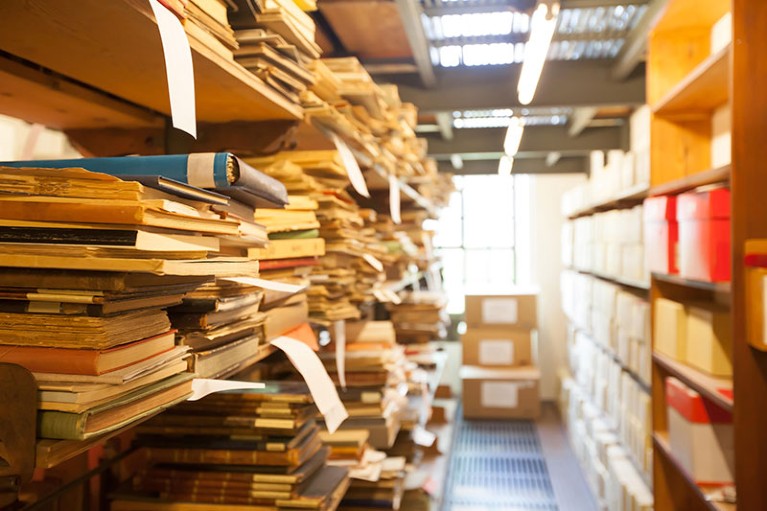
column 670, row 329
column 517, row 309
column 661, row 234
column 704, row 235
column 501, row 393
column 709, row 340
column 700, row 434
column 499, row 347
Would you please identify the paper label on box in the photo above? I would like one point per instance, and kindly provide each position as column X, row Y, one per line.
column 495, row 352
column 497, row 394
column 499, row 310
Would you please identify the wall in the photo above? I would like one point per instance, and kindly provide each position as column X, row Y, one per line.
column 544, row 241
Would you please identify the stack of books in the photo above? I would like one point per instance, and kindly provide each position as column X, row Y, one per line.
column 420, row 317
column 237, row 448
column 277, row 44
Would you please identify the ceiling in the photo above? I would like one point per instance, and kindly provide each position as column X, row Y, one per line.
column 459, row 62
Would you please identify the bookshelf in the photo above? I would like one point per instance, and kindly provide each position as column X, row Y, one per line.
column 108, row 55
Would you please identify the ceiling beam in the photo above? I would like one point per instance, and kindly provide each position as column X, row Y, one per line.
column 633, row 51
column 410, row 13
column 569, row 165
column 536, row 139
column 580, row 120
column 563, row 83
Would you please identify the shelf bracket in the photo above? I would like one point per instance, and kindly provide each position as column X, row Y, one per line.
column 18, row 405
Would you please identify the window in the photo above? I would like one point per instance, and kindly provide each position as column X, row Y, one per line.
column 475, row 237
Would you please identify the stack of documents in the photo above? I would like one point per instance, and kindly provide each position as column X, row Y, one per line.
column 237, row 448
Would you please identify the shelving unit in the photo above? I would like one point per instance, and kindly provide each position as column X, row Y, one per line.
column 627, row 198
column 715, row 287
column 639, row 286
column 717, row 390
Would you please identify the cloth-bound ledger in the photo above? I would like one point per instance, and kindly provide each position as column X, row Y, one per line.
column 222, row 172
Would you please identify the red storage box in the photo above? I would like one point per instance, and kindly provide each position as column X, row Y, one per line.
column 661, row 234
column 704, row 235
column 700, row 435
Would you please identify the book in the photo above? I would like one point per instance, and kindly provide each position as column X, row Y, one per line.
column 324, row 491
column 212, row 319
column 103, row 281
column 178, row 189
column 222, row 172
column 229, row 357
column 289, row 249
column 138, row 239
column 56, row 331
column 73, row 382
column 280, row 220
column 85, row 397
column 280, row 320
column 86, row 361
column 117, row 413
column 152, row 213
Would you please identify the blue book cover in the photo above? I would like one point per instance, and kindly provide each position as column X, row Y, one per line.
column 222, row 172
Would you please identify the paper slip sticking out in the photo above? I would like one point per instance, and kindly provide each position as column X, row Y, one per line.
column 271, row 285
column 394, row 200
column 352, row 167
column 339, row 336
column 316, row 376
column 178, row 68
column 201, row 387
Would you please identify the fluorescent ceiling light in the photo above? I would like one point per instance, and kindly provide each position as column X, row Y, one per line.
column 513, row 136
column 504, row 165
column 542, row 25
column 456, row 161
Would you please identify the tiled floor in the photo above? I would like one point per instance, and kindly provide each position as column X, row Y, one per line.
column 515, row 466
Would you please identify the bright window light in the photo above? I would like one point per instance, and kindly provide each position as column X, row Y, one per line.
column 542, row 26
column 450, row 56
column 487, row 54
column 477, row 24
column 513, row 136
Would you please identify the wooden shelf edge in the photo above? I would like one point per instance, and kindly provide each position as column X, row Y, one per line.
column 687, row 183
column 706, row 385
column 662, row 444
column 642, row 286
column 717, row 287
column 707, row 71
column 627, row 198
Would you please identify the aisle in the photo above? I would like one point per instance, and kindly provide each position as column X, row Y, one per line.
column 509, row 466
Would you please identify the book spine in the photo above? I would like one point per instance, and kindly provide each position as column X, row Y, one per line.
column 261, row 184
column 51, row 360
column 218, row 457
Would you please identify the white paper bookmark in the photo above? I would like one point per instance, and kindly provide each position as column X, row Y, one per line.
column 352, row 167
column 394, row 200
column 373, row 261
column 271, row 285
column 316, row 376
column 339, row 336
column 201, row 387
column 178, row 68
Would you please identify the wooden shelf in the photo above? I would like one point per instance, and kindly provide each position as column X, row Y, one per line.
column 720, row 175
column 114, row 47
column 702, row 90
column 708, row 386
column 626, row 199
column 642, row 286
column 716, row 287
column 660, row 440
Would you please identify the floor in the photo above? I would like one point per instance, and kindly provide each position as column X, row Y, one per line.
column 515, row 466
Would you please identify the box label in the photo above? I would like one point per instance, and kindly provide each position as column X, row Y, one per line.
column 496, row 394
column 499, row 310
column 494, row 352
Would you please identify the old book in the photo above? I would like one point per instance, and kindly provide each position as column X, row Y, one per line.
column 138, row 239
column 217, row 303
column 83, row 398
column 101, row 308
column 202, row 454
column 223, row 172
column 203, row 340
column 73, row 382
column 209, row 320
column 85, row 332
column 289, row 249
column 280, row 320
column 225, row 358
column 117, row 413
column 103, row 281
column 86, row 361
column 279, row 220
column 219, row 266
column 324, row 491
